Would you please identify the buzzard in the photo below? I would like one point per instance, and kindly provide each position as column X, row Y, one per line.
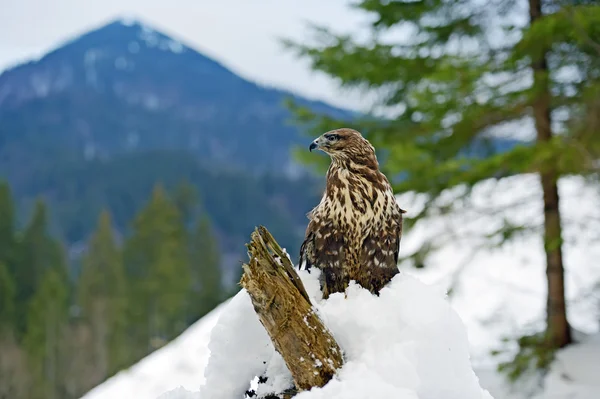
column 354, row 232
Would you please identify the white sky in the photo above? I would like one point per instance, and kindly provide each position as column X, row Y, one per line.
column 242, row 34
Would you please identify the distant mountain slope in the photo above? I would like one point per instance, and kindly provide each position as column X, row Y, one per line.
column 126, row 87
column 98, row 121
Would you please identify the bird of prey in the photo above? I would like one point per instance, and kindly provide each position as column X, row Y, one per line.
column 354, row 233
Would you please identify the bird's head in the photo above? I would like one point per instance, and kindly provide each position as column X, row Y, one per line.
column 345, row 145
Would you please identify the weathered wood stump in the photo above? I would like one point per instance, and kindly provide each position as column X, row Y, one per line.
column 283, row 306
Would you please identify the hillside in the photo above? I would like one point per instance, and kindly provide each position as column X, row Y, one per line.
column 500, row 294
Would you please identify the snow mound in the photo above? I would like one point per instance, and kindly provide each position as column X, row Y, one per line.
column 239, row 347
column 406, row 343
column 180, row 393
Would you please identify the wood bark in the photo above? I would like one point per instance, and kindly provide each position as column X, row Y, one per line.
column 284, row 309
column 558, row 330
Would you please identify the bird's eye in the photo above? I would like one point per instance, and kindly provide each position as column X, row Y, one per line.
column 333, row 137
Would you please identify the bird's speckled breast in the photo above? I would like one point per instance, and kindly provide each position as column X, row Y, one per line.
column 354, row 207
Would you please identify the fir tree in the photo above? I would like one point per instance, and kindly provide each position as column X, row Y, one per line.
column 38, row 252
column 158, row 268
column 453, row 85
column 102, row 294
column 47, row 319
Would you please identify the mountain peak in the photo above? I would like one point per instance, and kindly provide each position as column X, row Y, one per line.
column 126, row 32
column 108, row 57
column 128, row 20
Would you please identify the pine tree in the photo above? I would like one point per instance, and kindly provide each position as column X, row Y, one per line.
column 102, row 294
column 158, row 268
column 454, row 85
column 208, row 290
column 47, row 319
column 38, row 252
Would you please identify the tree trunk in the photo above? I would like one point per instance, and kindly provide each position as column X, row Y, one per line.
column 284, row 309
column 558, row 332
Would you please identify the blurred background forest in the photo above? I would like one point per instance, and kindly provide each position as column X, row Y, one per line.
column 134, row 167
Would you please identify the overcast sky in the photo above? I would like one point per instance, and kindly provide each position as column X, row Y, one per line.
column 242, row 34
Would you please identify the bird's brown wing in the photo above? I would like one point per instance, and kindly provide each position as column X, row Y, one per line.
column 380, row 252
column 323, row 248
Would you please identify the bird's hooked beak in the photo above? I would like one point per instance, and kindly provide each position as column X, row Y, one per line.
column 315, row 144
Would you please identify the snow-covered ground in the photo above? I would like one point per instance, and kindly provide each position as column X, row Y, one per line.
column 496, row 293
column 573, row 375
column 501, row 292
column 407, row 343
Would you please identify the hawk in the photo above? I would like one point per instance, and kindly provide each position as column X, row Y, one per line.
column 354, row 233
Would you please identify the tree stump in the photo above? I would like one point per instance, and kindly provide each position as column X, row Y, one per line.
column 283, row 306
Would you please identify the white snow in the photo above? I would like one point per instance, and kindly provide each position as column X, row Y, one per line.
column 89, row 61
column 148, row 36
column 501, row 292
column 180, row 393
column 41, row 83
column 240, row 349
column 133, row 47
column 129, row 20
column 179, row 363
column 176, row 46
column 152, row 39
column 573, row 375
column 406, row 343
column 121, row 63
column 151, row 102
